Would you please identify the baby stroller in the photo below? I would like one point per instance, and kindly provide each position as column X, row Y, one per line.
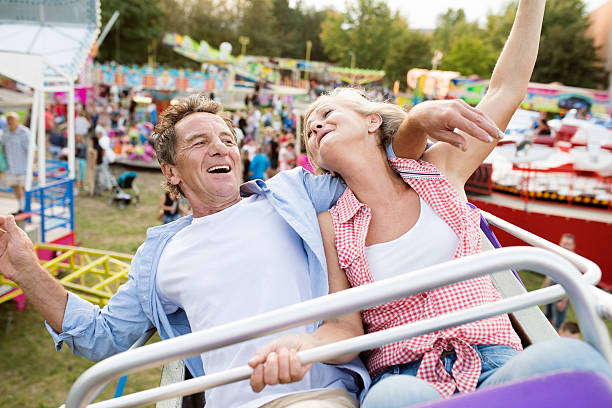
column 121, row 197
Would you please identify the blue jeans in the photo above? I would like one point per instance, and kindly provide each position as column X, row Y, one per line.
column 398, row 386
column 169, row 218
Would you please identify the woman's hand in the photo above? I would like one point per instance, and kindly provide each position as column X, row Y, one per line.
column 439, row 119
column 282, row 364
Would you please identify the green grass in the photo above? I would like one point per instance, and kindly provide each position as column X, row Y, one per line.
column 534, row 281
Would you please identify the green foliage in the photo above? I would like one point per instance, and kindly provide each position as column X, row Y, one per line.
column 363, row 31
column 136, row 30
column 274, row 28
column 498, row 26
column 566, row 53
column 368, row 33
column 408, row 49
column 470, row 55
column 465, row 46
column 336, row 41
column 258, row 23
column 446, row 28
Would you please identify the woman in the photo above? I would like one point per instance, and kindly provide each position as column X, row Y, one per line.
column 169, row 208
column 411, row 215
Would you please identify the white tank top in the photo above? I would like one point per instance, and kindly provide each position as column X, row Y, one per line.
column 429, row 242
column 239, row 262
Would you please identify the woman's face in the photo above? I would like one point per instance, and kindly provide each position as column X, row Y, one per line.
column 330, row 129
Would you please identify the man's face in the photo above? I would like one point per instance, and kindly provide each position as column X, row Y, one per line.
column 207, row 160
column 12, row 122
column 567, row 243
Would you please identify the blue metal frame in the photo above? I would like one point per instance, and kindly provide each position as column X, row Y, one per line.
column 55, row 170
column 54, row 203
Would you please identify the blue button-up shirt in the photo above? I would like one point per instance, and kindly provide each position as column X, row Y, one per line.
column 97, row 333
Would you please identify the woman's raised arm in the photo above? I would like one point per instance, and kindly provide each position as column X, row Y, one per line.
column 506, row 91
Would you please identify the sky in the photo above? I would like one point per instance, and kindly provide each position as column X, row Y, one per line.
column 422, row 14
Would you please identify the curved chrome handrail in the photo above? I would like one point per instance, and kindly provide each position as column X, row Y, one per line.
column 337, row 304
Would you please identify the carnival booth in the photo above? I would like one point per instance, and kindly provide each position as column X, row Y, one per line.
column 43, row 45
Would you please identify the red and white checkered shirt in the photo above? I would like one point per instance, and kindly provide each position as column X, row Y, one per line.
column 351, row 220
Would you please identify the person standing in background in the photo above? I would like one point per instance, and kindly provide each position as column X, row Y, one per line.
column 15, row 140
column 555, row 312
column 169, row 208
column 258, row 165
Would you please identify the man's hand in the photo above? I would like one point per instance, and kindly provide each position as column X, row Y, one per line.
column 18, row 262
column 17, row 256
column 282, row 364
column 439, row 119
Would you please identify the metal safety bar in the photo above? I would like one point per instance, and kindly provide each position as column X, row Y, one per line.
column 142, row 340
column 601, row 300
column 351, row 300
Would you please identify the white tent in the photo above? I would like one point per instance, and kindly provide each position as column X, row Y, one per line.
column 43, row 44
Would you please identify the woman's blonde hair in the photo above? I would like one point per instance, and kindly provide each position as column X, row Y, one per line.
column 392, row 115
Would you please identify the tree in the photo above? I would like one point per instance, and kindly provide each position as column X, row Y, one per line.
column 312, row 23
column 470, row 55
column 463, row 45
column 408, row 49
column 362, row 32
column 336, row 41
column 566, row 53
column 136, row 30
column 498, row 26
column 446, row 25
column 259, row 23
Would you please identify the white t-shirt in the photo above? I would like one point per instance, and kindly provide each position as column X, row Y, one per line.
column 251, row 149
column 237, row 263
column 81, row 125
column 429, row 242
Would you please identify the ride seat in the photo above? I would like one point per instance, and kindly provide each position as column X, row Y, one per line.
column 564, row 389
column 544, row 140
column 566, row 133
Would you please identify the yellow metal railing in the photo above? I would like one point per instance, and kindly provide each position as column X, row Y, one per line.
column 92, row 274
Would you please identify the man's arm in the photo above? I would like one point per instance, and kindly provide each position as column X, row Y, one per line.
column 282, row 365
column 89, row 331
column 506, row 91
column 18, row 262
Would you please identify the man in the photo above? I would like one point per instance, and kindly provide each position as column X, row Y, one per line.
column 15, row 141
column 555, row 312
column 197, row 273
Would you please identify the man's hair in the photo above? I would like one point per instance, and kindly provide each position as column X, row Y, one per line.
column 164, row 135
column 392, row 115
column 571, row 327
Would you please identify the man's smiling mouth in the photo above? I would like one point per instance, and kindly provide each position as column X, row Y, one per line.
column 219, row 169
